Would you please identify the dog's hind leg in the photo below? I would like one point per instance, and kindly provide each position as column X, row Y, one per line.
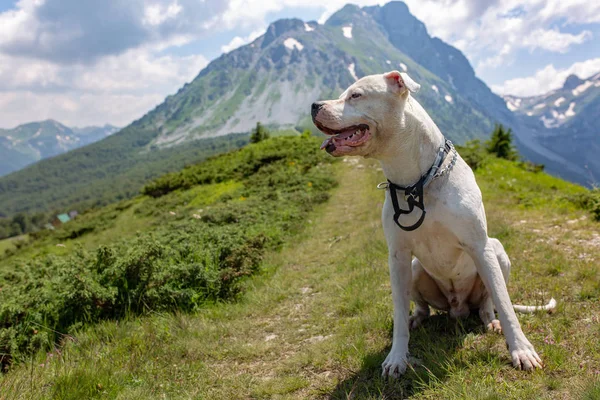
column 424, row 292
column 486, row 309
column 503, row 259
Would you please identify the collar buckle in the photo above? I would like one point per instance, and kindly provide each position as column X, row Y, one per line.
column 413, row 195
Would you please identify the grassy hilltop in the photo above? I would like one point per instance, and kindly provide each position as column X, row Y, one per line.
column 244, row 281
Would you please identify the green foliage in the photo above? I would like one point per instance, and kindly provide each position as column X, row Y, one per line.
column 589, row 200
column 259, row 133
column 21, row 223
column 501, row 143
column 188, row 258
column 473, row 153
column 531, row 167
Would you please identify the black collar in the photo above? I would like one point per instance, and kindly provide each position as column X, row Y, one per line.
column 414, row 194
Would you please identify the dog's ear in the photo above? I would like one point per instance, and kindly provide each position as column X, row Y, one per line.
column 401, row 80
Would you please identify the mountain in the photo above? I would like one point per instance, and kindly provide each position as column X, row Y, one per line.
column 565, row 121
column 274, row 80
column 34, row 141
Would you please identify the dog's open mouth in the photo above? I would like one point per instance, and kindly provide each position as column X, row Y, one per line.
column 348, row 137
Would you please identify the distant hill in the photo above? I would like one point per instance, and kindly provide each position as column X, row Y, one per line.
column 35, row 141
column 566, row 121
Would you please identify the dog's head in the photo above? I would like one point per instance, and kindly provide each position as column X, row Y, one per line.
column 358, row 122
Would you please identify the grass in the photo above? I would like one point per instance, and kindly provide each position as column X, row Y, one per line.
column 316, row 322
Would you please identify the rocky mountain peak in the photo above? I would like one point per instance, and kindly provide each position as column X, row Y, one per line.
column 397, row 19
column 280, row 27
column 572, row 82
column 344, row 16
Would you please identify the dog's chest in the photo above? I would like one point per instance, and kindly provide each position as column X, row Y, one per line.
column 441, row 255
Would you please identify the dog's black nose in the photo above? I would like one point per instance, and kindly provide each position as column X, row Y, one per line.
column 316, row 106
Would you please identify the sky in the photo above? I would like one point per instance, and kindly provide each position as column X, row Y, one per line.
column 88, row 62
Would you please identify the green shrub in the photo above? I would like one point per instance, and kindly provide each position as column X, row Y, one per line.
column 473, row 153
column 589, row 200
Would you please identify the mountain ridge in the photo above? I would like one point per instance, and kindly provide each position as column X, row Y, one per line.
column 35, row 141
column 564, row 120
column 273, row 80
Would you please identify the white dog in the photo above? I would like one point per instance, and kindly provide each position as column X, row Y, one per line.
column 433, row 210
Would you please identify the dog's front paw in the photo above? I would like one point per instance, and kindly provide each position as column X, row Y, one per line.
column 395, row 364
column 524, row 357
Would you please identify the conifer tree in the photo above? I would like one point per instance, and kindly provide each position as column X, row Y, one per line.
column 501, row 143
column 259, row 133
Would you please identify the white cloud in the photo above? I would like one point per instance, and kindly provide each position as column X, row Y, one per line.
column 75, row 31
column 496, row 60
column 75, row 109
column 42, row 75
column 491, row 32
column 156, row 14
column 547, row 79
column 553, row 40
column 117, row 89
column 239, row 41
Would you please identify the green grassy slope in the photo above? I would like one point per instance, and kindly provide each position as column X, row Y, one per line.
column 104, row 172
column 316, row 323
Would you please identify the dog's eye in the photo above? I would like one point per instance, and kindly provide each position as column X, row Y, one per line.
column 355, row 95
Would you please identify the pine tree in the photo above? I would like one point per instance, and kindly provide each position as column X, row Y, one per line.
column 501, row 143
column 259, row 133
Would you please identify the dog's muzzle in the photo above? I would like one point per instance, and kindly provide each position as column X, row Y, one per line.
column 316, row 106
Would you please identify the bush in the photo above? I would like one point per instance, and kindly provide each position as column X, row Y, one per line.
column 473, row 153
column 184, row 262
column 589, row 200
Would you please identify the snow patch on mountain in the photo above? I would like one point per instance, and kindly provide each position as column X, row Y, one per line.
column 352, row 70
column 308, row 28
column 435, row 89
column 448, row 98
column 513, row 104
column 571, row 111
column 582, row 88
column 292, row 43
column 347, row 31
column 559, row 101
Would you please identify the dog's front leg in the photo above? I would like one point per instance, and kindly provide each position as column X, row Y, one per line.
column 521, row 350
column 400, row 275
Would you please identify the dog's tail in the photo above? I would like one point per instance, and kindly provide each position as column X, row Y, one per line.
column 531, row 309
